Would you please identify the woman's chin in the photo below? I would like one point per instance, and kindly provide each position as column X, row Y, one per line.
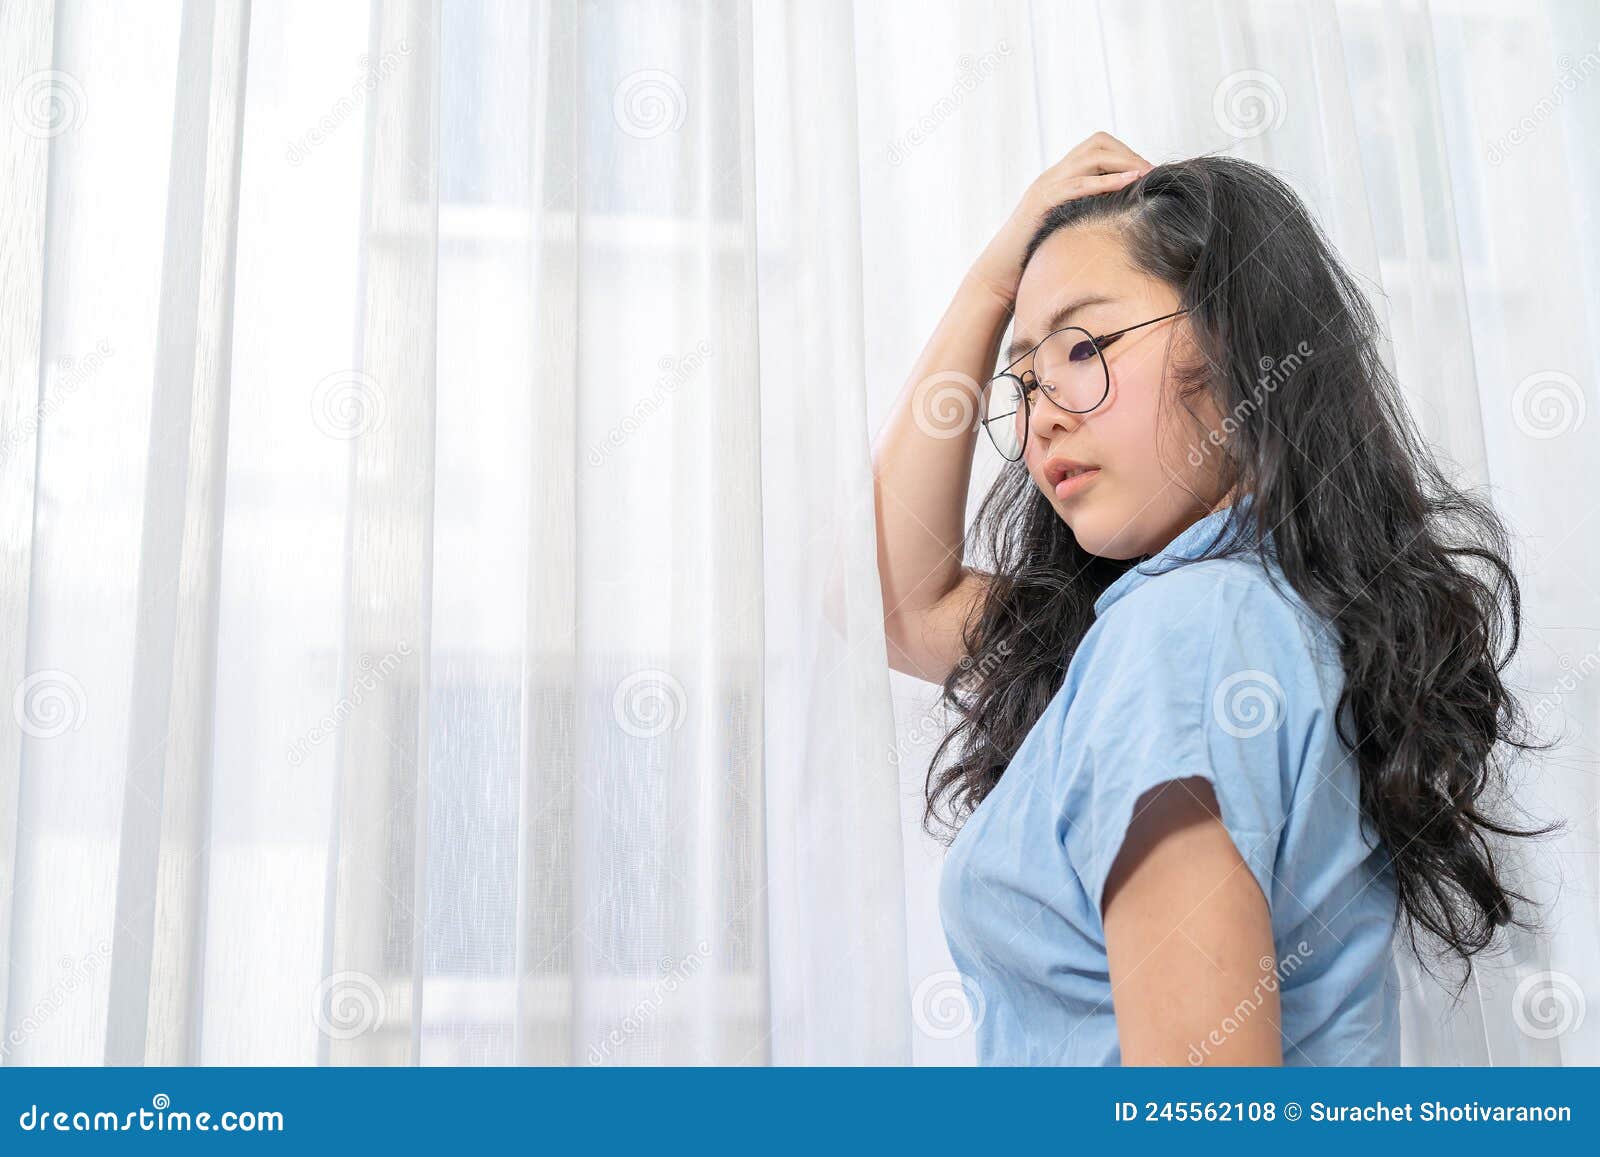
column 1102, row 533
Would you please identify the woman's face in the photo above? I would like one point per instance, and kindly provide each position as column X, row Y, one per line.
column 1142, row 487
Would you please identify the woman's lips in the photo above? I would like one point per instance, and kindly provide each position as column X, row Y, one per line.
column 1070, row 485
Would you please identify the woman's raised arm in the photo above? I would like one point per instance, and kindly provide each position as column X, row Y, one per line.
column 922, row 459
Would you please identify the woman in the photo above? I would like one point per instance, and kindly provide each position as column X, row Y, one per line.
column 1227, row 679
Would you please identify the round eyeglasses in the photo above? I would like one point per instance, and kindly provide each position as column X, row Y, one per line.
column 1068, row 367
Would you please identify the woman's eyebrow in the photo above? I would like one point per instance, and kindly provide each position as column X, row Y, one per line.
column 1022, row 345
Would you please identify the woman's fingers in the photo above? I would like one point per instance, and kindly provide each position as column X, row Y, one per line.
column 1072, row 187
column 1100, row 153
column 1105, row 182
column 1116, row 152
column 1101, row 156
column 1121, row 159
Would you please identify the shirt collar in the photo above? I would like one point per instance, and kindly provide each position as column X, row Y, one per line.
column 1190, row 543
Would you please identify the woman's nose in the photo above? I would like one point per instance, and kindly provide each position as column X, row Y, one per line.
column 1049, row 420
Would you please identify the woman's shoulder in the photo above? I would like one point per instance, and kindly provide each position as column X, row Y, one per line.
column 1180, row 591
column 1186, row 614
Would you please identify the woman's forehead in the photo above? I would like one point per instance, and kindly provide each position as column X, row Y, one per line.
column 1092, row 247
column 1074, row 263
column 1087, row 264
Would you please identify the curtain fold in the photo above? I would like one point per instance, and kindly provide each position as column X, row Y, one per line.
column 155, row 986
column 836, row 885
column 438, row 595
column 548, row 269
column 378, row 853
column 26, row 38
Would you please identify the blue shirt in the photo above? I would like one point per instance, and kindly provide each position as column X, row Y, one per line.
column 1191, row 668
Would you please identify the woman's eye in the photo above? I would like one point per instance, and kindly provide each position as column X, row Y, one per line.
column 1081, row 351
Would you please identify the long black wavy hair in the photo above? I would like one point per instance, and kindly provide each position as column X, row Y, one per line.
column 1411, row 570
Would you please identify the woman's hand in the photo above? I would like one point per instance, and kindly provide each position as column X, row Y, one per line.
column 1100, row 164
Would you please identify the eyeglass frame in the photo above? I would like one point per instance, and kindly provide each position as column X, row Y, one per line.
column 1100, row 343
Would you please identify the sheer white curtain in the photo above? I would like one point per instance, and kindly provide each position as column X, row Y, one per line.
column 439, row 566
column 439, row 604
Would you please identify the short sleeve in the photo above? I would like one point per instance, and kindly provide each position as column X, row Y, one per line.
column 1195, row 674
